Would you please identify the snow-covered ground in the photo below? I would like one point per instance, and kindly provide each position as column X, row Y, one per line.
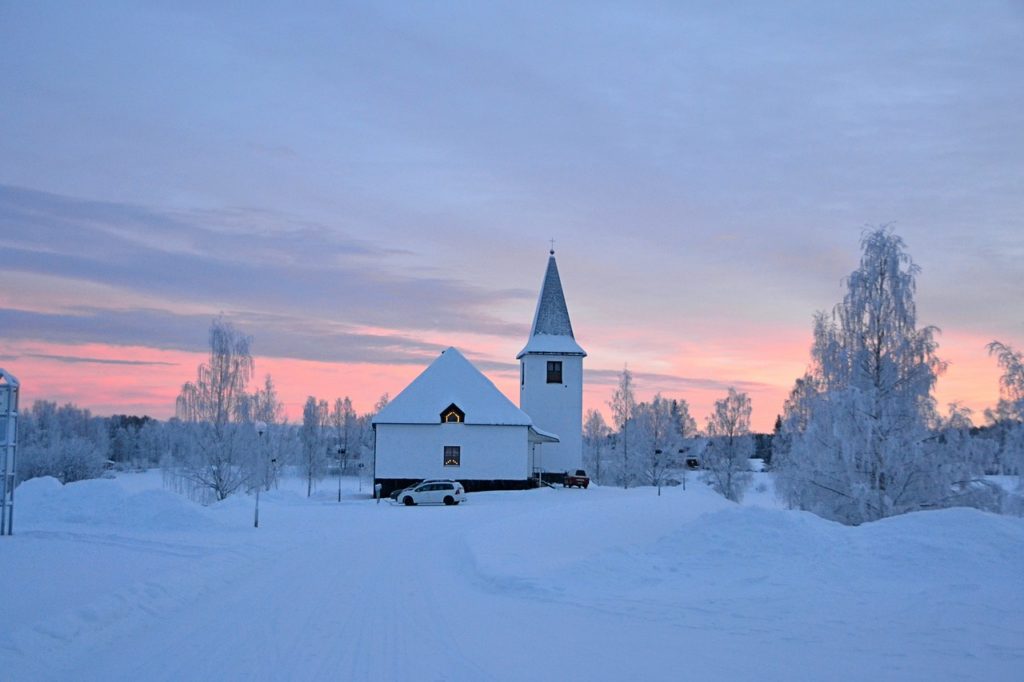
column 121, row 580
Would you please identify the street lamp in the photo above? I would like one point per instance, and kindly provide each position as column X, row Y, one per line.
column 682, row 458
column 341, row 455
column 261, row 428
column 657, row 468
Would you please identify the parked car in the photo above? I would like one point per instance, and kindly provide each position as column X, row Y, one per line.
column 395, row 494
column 433, row 492
column 579, row 479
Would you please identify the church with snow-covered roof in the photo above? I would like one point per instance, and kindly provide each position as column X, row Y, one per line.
column 453, row 422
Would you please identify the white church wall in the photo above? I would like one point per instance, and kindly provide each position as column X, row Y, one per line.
column 487, row 452
column 557, row 408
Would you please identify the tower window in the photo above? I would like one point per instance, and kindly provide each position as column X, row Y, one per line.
column 554, row 371
column 452, row 455
column 522, row 373
column 452, row 415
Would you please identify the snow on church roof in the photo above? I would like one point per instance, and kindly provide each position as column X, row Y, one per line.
column 552, row 330
column 451, row 378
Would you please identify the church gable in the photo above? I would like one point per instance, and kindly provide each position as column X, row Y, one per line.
column 451, row 381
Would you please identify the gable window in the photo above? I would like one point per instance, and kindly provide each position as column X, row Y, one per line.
column 452, row 415
column 452, row 455
column 554, row 371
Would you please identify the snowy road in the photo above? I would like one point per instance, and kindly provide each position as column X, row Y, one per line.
column 598, row 584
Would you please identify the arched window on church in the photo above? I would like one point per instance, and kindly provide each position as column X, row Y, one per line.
column 452, row 415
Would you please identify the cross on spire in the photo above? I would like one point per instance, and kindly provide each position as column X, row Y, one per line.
column 552, row 247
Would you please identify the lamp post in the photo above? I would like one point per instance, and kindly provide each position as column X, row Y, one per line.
column 682, row 458
column 261, row 428
column 657, row 468
column 341, row 461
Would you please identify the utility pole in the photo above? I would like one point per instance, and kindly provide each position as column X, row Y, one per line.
column 341, row 455
column 261, row 428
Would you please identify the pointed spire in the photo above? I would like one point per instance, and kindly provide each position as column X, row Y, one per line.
column 552, row 315
column 552, row 331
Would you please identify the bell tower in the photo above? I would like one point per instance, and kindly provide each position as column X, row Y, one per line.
column 551, row 377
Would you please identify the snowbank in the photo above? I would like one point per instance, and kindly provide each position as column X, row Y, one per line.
column 43, row 502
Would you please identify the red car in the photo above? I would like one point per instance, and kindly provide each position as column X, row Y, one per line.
column 577, row 480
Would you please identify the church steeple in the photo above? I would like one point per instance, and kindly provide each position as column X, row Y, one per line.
column 551, row 377
column 552, row 330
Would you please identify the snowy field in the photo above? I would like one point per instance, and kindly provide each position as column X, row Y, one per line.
column 121, row 580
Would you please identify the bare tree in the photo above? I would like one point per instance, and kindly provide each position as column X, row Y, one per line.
column 686, row 428
column 212, row 408
column 729, row 447
column 217, row 395
column 314, row 419
column 1011, row 384
column 623, row 405
column 343, row 420
column 595, row 438
column 1009, row 414
column 262, row 406
column 658, row 439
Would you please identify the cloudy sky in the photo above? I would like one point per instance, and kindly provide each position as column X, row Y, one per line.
column 358, row 186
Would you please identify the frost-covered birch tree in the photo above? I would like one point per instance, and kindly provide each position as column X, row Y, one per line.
column 343, row 422
column 263, row 406
column 314, row 460
column 1009, row 414
column 726, row 457
column 657, row 440
column 858, row 438
column 219, row 447
column 686, row 428
column 595, row 441
column 623, row 405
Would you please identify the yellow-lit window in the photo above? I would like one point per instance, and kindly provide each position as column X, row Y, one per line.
column 452, row 415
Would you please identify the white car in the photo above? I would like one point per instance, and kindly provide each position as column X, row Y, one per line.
column 433, row 492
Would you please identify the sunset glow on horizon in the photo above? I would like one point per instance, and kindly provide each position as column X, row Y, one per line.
column 146, row 381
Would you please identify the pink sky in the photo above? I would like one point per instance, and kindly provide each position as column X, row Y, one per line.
column 972, row 377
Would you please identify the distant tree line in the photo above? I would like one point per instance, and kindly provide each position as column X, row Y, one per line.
column 223, row 439
column 651, row 443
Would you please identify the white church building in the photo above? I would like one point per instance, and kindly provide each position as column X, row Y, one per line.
column 453, row 422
